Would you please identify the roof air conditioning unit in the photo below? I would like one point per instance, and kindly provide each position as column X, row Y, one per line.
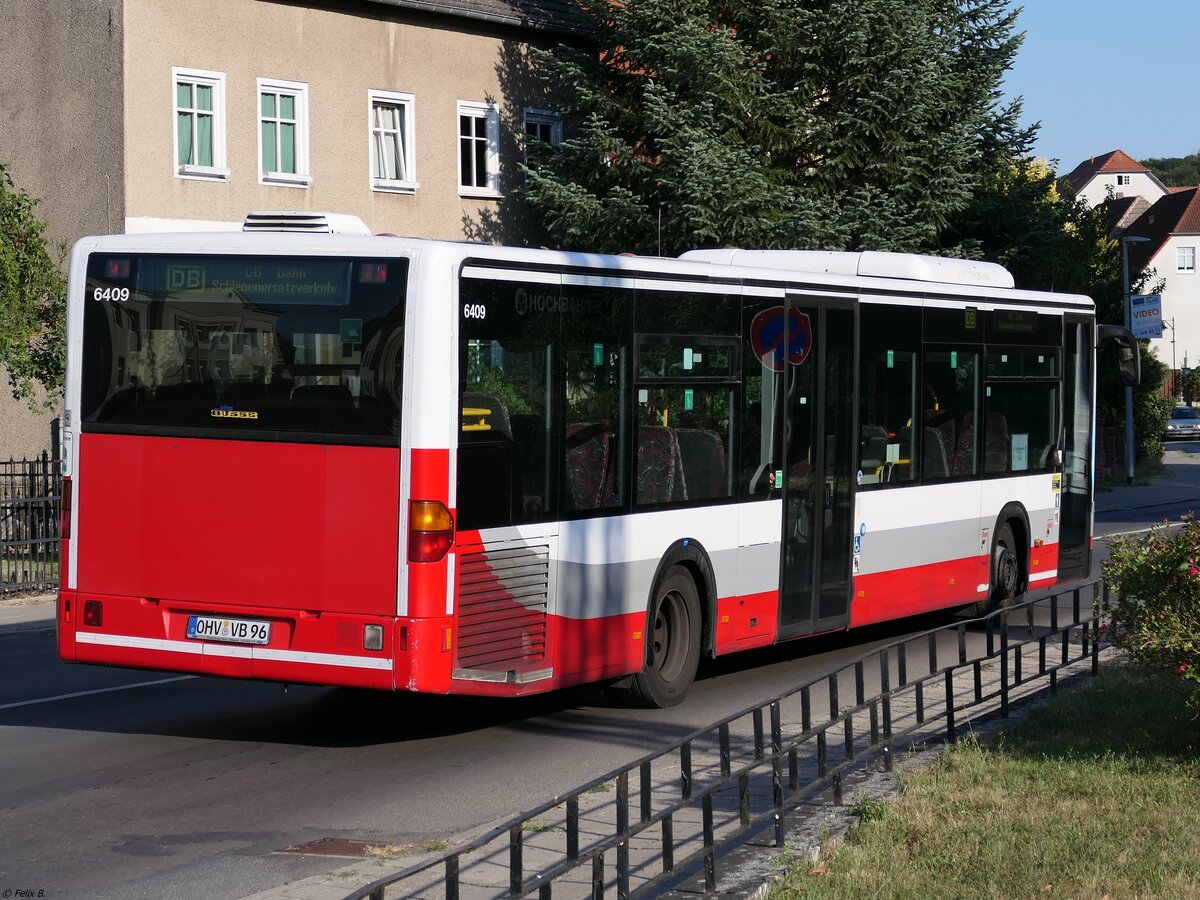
column 304, row 222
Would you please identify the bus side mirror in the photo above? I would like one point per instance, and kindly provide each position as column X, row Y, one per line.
column 1129, row 361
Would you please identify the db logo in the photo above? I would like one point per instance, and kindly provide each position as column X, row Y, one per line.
column 772, row 346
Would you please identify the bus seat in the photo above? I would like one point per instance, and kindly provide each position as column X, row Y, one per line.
column 588, row 452
column 995, row 443
column 659, row 475
column 942, row 421
column 874, row 449
column 935, row 463
column 963, row 460
column 702, row 455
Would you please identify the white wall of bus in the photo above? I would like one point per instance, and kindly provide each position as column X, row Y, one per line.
column 745, row 558
column 430, row 420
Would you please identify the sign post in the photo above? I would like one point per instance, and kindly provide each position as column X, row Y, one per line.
column 1126, row 240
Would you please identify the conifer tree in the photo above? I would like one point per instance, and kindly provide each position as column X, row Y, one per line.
column 775, row 123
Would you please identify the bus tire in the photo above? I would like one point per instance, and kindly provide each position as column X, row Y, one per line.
column 673, row 636
column 1006, row 569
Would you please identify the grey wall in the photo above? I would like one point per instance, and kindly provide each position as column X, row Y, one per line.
column 61, row 113
column 62, row 108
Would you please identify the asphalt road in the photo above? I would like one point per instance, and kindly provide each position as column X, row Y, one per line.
column 124, row 784
column 147, row 784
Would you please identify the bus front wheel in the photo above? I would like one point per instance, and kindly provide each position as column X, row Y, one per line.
column 1006, row 569
column 674, row 636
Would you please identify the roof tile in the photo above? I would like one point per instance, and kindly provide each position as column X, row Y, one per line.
column 1113, row 161
column 552, row 15
column 1175, row 213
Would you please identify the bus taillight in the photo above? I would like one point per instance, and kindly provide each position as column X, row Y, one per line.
column 430, row 531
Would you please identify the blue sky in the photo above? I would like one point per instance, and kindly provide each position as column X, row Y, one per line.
column 1103, row 75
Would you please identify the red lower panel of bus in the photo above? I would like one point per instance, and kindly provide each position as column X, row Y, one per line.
column 423, row 654
column 301, row 647
column 288, row 526
column 580, row 651
column 921, row 589
column 746, row 622
column 329, row 648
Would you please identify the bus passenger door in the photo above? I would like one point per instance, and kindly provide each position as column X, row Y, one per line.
column 1078, row 490
column 819, row 441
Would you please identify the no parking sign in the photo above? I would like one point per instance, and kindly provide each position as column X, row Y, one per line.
column 769, row 342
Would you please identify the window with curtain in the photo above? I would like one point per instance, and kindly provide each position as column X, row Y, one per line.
column 283, row 124
column 199, row 123
column 392, row 152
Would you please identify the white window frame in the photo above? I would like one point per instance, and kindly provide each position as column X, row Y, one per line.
column 1180, row 264
column 490, row 112
column 302, row 177
column 219, row 170
column 407, row 106
column 1124, row 180
column 537, row 116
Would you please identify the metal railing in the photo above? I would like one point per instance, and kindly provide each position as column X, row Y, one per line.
column 665, row 819
column 30, row 501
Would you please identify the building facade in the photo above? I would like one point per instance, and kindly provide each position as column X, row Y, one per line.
column 1172, row 229
column 1166, row 222
column 1115, row 175
column 168, row 115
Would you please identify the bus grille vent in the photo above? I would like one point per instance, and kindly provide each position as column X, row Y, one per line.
column 502, row 608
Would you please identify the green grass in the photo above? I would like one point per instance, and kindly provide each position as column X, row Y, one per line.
column 13, row 571
column 1144, row 472
column 1095, row 794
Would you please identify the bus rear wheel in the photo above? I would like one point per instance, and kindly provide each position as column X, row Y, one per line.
column 674, row 636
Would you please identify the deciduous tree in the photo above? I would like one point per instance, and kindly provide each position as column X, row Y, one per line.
column 32, row 297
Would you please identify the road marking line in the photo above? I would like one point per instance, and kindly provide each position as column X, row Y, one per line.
column 122, row 687
column 1137, row 531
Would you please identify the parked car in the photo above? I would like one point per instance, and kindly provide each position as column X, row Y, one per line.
column 1184, row 423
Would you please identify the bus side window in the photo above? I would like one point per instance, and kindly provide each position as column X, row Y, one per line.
column 506, row 403
column 890, row 338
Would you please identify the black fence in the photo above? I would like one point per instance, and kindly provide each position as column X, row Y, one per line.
column 664, row 821
column 30, row 502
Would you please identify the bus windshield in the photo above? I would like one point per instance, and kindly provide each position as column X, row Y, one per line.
column 259, row 348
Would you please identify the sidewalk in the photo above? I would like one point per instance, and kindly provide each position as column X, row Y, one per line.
column 1179, row 481
column 26, row 613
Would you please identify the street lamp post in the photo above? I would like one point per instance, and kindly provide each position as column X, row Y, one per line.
column 1125, row 242
column 1176, row 379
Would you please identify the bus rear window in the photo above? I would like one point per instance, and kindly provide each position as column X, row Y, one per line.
column 269, row 348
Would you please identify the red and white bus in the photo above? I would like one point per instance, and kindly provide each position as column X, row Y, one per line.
column 371, row 461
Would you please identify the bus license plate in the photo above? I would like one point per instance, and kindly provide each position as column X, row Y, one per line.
column 236, row 631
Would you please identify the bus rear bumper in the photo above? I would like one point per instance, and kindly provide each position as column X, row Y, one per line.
column 303, row 647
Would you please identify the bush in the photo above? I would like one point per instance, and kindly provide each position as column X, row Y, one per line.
column 33, row 298
column 1156, row 620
